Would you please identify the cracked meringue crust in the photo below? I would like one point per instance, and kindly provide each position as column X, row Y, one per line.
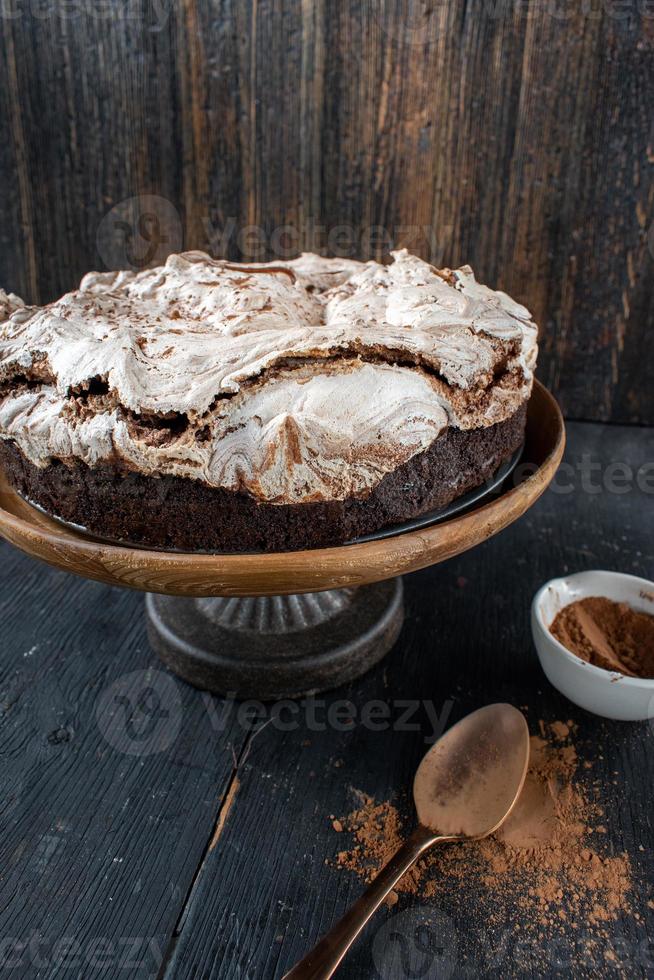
column 262, row 390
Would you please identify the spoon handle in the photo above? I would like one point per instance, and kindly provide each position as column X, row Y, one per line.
column 323, row 959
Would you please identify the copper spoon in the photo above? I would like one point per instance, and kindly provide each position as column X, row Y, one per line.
column 464, row 789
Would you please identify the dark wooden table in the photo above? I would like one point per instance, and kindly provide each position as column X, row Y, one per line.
column 185, row 842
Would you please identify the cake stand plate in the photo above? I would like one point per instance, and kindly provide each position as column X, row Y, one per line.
column 278, row 647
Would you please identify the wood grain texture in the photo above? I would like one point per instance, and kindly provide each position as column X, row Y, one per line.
column 517, row 137
column 283, row 573
column 213, row 850
column 102, row 827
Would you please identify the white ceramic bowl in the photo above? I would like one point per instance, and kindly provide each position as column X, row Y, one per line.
column 600, row 691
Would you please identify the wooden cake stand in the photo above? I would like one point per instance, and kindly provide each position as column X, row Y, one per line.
column 285, row 624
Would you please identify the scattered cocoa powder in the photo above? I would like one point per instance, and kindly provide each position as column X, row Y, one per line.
column 608, row 634
column 392, row 898
column 561, row 730
column 544, row 870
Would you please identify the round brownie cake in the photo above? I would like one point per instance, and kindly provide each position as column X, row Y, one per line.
column 206, row 405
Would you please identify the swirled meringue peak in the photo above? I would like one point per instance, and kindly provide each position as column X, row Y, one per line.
column 292, row 381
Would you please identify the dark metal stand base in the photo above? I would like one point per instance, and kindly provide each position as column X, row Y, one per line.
column 280, row 646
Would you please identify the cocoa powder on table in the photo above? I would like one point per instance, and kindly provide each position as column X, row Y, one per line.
column 547, row 862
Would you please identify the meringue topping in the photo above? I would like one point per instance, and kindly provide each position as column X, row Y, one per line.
column 292, row 381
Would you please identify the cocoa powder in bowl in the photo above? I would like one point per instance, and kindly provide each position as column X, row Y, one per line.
column 608, row 634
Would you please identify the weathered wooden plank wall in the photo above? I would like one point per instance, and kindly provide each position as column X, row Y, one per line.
column 516, row 136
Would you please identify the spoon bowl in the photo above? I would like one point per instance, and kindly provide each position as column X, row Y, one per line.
column 468, row 782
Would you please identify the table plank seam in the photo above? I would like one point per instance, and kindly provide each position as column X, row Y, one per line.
column 226, row 805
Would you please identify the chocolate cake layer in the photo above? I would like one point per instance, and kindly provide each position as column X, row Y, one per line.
column 180, row 513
